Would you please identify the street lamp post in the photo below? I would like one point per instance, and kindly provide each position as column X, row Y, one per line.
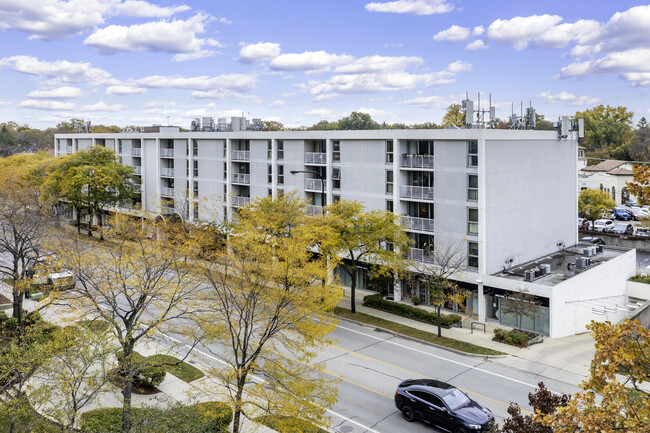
column 322, row 182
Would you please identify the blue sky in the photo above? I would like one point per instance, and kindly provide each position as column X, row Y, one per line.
column 136, row 62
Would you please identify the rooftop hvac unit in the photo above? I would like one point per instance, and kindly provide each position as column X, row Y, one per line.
column 594, row 250
column 546, row 268
column 208, row 124
column 529, row 275
column 257, row 124
column 538, row 272
column 583, row 262
column 587, row 252
column 222, row 124
column 196, row 125
column 599, row 249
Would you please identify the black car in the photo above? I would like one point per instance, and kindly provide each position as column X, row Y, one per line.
column 442, row 405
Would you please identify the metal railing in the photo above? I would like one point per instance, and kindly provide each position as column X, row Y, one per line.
column 136, row 151
column 417, row 161
column 315, row 158
column 168, row 192
column 166, row 152
column 241, row 155
column 417, row 192
column 313, row 184
column 419, row 255
column 69, row 149
column 415, row 223
column 167, row 172
column 314, row 210
column 238, row 201
column 242, row 178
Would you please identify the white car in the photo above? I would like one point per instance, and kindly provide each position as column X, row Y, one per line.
column 603, row 225
column 638, row 213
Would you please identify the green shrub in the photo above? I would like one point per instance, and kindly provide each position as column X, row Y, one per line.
column 216, row 416
column 416, row 300
column 514, row 337
column 3, row 316
column 104, row 420
column 32, row 318
column 11, row 323
column 288, row 424
column 149, row 374
column 378, row 302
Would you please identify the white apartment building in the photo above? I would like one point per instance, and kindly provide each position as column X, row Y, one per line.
column 509, row 195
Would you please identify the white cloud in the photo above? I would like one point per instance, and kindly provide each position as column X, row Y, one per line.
column 382, row 99
column 224, row 94
column 569, row 98
column 59, row 93
column 122, row 89
column 415, row 7
column 46, row 105
column 158, row 104
column 560, row 35
column 378, row 64
column 394, row 45
column 277, row 103
column 633, row 65
column 321, row 112
column 519, row 31
column 4, row 103
column 372, row 111
column 324, row 97
column 251, row 53
column 432, row 101
column 453, row 34
column 177, row 36
column 234, row 82
column 102, row 106
column 478, row 31
column 54, row 19
column 476, row 45
column 309, row 60
column 60, row 70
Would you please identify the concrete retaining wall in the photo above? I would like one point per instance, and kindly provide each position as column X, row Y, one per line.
column 641, row 244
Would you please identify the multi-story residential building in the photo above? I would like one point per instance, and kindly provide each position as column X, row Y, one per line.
column 509, row 196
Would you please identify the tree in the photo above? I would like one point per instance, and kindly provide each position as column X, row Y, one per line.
column 371, row 238
column 613, row 398
column 95, row 179
column 542, row 124
column 454, row 116
column 448, row 260
column 426, row 125
column 272, row 125
column 268, row 309
column 608, row 131
column 592, row 203
column 641, row 145
column 542, row 401
column 324, row 125
column 357, row 120
column 640, row 185
column 138, row 285
column 521, row 304
column 24, row 220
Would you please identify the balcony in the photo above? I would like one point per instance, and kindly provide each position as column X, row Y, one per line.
column 167, row 192
column 417, row 192
column 166, row 152
column 420, row 255
column 241, row 155
column 69, row 149
column 313, row 158
column 241, row 178
column 167, row 172
column 419, row 224
column 417, row 161
column 314, row 210
column 137, row 169
column 238, row 201
column 314, row 184
column 136, row 151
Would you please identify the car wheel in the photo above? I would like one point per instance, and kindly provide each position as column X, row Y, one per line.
column 408, row 414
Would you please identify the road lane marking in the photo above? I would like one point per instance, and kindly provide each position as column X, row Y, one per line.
column 351, row 421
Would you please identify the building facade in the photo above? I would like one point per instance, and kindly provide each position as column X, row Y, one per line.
column 509, row 196
column 610, row 176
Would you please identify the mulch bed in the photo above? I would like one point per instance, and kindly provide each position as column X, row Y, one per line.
column 4, row 300
column 117, row 381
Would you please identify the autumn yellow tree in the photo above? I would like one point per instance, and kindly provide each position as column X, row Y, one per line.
column 266, row 313
column 454, row 116
column 608, row 131
column 640, row 185
column 614, row 398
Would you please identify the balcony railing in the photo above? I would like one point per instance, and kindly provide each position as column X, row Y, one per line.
column 167, row 172
column 136, row 151
column 313, row 184
column 69, row 149
column 417, row 161
column 238, row 201
column 417, row 192
column 167, row 192
column 314, row 210
column 241, row 155
column 420, row 255
column 420, row 224
column 137, row 169
column 315, row 158
column 166, row 152
column 241, row 178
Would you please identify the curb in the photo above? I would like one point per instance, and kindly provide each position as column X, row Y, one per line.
column 428, row 343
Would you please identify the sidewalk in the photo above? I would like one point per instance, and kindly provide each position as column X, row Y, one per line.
column 563, row 359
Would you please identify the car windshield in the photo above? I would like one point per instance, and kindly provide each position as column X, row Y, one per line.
column 455, row 399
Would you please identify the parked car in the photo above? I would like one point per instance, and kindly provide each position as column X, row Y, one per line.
column 62, row 280
column 603, row 225
column 642, row 232
column 592, row 240
column 638, row 213
column 621, row 214
column 583, row 224
column 623, row 229
column 442, row 405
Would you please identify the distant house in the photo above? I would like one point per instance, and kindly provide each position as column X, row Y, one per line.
column 609, row 176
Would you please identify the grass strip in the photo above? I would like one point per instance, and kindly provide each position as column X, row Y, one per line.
column 416, row 333
column 183, row 371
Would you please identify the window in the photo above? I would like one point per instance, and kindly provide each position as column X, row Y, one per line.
column 336, row 178
column 472, row 254
column 196, row 168
column 120, row 146
column 389, row 206
column 389, row 151
column 270, row 192
column 280, row 149
column 187, row 168
column 472, row 153
column 269, row 150
column 336, row 154
column 196, row 188
column 389, row 181
column 336, row 198
column 195, row 207
column 269, row 173
column 225, row 170
column 472, row 187
column 195, row 148
column 225, row 149
column 472, row 221
column 280, row 174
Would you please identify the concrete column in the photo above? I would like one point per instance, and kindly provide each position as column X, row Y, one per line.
column 274, row 167
column 397, row 289
column 481, row 302
column 228, row 197
column 158, row 178
column 189, row 159
column 328, row 171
